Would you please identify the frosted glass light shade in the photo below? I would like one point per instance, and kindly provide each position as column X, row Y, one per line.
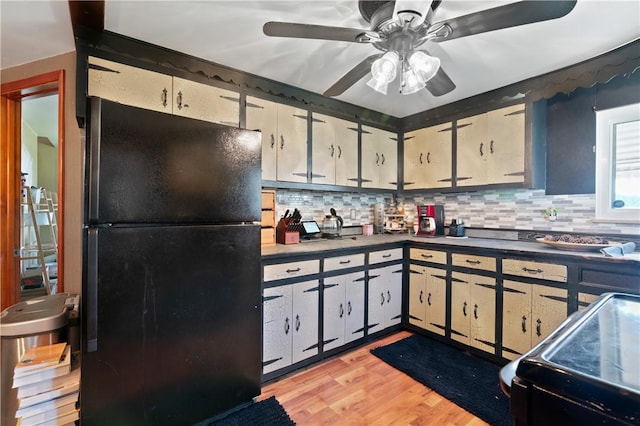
column 411, row 82
column 424, row 65
column 384, row 71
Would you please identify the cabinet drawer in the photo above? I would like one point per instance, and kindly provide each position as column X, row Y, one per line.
column 476, row 262
column 540, row 270
column 428, row 255
column 268, row 200
column 267, row 236
column 342, row 262
column 385, row 255
column 268, row 219
column 290, row 270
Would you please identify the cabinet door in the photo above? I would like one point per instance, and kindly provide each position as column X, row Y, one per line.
column 436, row 300
column 460, row 308
column 277, row 328
column 323, row 153
column 346, row 153
column 379, row 159
column 376, row 300
column 393, row 305
column 506, row 137
column 418, row 296
column 263, row 116
column 482, row 331
column 472, row 151
column 549, row 307
column 305, row 320
column 129, row 85
column 292, row 144
column 388, row 146
column 205, row 102
column 414, row 174
column 354, row 322
column 516, row 318
column 427, row 158
column 334, row 312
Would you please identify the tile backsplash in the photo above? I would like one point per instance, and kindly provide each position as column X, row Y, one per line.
column 516, row 209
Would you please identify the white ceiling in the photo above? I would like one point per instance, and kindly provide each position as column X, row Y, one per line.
column 230, row 33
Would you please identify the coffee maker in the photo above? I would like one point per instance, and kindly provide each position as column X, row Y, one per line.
column 430, row 220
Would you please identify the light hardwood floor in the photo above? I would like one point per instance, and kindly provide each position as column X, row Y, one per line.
column 357, row 388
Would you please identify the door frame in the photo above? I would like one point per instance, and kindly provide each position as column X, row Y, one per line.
column 12, row 94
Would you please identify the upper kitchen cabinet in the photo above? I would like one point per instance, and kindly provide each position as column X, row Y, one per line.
column 161, row 92
column 284, row 139
column 379, row 159
column 129, row 85
column 491, row 147
column 334, row 151
column 204, row 102
column 427, row 157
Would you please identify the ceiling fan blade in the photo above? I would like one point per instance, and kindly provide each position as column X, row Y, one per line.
column 440, row 84
column 320, row 32
column 352, row 77
column 507, row 16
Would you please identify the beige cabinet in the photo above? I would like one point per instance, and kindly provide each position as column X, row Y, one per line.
column 428, row 298
column 427, row 157
column 490, row 147
column 529, row 313
column 204, row 102
column 290, row 324
column 129, row 85
column 334, row 156
column 473, row 307
column 385, row 297
column 379, row 158
column 284, row 139
column 343, row 308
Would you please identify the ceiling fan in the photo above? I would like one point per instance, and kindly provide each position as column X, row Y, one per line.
column 399, row 28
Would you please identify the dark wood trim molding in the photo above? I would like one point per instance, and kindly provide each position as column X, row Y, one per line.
column 87, row 13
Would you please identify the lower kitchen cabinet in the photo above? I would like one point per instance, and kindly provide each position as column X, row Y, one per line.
column 385, row 297
column 290, row 324
column 473, row 307
column 428, row 298
column 343, row 309
column 530, row 313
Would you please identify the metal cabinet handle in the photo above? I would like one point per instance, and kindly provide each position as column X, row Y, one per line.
column 524, row 324
column 491, row 146
column 377, row 159
column 345, row 262
column 538, row 328
column 473, row 262
column 286, row 325
column 427, row 256
column 281, row 142
column 297, row 322
column 420, row 298
column 381, row 299
column 464, row 309
column 382, row 155
column 289, row 271
column 179, row 101
column 388, row 296
column 333, row 150
column 341, row 311
column 273, row 140
column 420, row 158
column 349, row 308
column 428, row 158
column 475, row 311
column 532, row 271
column 386, row 255
column 481, row 149
column 339, row 152
column 429, row 299
column 164, row 97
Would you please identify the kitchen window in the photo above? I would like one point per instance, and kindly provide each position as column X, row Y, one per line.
column 618, row 164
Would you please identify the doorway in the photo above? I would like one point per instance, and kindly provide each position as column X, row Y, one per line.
column 21, row 151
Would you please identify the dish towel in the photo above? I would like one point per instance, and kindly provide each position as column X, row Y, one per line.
column 619, row 250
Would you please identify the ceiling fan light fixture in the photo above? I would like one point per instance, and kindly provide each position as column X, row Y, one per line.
column 384, row 71
column 425, row 66
column 411, row 82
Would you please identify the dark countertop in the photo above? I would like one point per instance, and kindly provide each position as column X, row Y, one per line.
column 325, row 247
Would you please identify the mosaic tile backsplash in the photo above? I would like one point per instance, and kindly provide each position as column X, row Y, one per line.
column 516, row 209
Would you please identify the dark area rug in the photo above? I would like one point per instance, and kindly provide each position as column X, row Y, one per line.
column 268, row 412
column 470, row 382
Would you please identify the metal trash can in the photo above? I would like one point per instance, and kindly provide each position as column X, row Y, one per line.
column 39, row 321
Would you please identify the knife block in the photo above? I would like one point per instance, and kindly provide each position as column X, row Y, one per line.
column 285, row 233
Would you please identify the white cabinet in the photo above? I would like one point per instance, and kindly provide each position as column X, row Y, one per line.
column 379, row 158
column 129, row 85
column 160, row 92
column 427, row 298
column 427, row 157
column 343, row 309
column 290, row 324
column 204, row 102
column 385, row 297
column 490, row 147
column 473, row 310
column 529, row 313
column 284, row 139
column 334, row 156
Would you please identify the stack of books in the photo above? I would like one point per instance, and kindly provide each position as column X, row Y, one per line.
column 47, row 386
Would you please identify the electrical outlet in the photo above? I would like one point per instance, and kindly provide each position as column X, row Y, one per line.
column 354, row 214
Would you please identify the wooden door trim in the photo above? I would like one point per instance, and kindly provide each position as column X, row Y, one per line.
column 12, row 93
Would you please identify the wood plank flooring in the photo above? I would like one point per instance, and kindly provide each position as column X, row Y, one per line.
column 357, row 388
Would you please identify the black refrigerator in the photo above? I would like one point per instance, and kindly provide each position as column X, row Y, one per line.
column 171, row 312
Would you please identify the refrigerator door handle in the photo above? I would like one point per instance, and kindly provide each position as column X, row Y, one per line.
column 91, row 297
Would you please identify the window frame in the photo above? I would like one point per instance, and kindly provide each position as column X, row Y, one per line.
column 605, row 120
